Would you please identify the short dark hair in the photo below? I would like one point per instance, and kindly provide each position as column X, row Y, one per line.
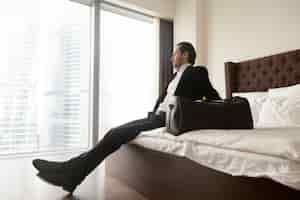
column 189, row 48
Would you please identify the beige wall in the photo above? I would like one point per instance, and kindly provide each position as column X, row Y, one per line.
column 234, row 30
column 185, row 21
column 240, row 29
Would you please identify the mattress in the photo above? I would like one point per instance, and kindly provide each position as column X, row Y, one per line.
column 262, row 152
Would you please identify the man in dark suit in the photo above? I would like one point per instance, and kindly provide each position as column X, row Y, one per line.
column 188, row 81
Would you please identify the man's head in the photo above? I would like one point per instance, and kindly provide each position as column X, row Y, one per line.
column 184, row 52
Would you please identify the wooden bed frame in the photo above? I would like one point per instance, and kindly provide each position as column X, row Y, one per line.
column 161, row 176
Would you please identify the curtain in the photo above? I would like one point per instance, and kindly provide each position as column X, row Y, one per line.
column 166, row 36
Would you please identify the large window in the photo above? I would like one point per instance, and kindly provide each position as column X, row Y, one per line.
column 44, row 75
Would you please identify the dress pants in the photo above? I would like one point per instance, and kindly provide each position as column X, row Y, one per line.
column 117, row 136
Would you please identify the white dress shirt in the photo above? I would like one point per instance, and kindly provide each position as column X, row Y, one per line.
column 169, row 98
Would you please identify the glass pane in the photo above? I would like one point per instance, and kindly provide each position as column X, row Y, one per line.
column 128, row 75
column 44, row 69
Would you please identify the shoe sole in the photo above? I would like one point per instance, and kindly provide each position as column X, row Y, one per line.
column 44, row 180
column 67, row 188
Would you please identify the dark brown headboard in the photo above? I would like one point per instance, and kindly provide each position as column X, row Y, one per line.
column 260, row 74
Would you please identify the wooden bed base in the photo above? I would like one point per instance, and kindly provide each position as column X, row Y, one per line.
column 161, row 176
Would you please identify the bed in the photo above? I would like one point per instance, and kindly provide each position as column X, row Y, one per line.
column 171, row 172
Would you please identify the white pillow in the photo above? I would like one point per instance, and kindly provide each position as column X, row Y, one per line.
column 281, row 108
column 278, row 92
column 256, row 100
column 274, row 113
column 293, row 105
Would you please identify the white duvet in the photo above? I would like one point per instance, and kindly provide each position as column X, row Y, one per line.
column 260, row 152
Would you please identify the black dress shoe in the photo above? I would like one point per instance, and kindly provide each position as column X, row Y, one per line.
column 67, row 181
column 48, row 166
column 55, row 166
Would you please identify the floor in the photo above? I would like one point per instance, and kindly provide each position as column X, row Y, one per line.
column 19, row 182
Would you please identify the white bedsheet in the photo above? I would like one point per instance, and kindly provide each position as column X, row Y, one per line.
column 261, row 152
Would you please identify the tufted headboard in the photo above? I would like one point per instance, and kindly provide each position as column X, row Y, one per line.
column 260, row 74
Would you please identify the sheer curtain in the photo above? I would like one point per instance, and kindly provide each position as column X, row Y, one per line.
column 128, row 69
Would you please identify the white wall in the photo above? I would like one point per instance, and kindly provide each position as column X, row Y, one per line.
column 188, row 23
column 239, row 30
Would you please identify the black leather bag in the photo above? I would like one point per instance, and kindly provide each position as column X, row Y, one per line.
column 185, row 114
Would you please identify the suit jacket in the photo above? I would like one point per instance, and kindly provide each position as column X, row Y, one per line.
column 194, row 84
